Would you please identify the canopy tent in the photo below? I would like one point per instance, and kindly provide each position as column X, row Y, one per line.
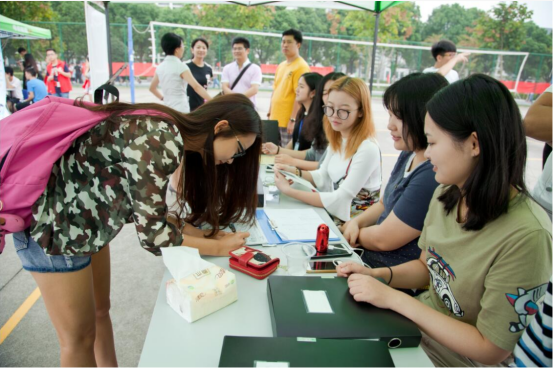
column 376, row 7
column 9, row 29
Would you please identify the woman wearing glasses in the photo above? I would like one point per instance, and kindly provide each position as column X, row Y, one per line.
column 118, row 172
column 349, row 179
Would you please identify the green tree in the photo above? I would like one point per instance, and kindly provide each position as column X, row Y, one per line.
column 451, row 22
column 27, row 11
column 503, row 28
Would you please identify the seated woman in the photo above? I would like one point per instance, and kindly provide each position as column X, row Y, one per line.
column 312, row 158
column 390, row 229
column 486, row 245
column 305, row 93
column 350, row 176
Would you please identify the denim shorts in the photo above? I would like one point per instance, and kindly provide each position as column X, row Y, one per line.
column 34, row 259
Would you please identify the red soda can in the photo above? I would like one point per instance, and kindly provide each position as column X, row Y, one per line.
column 322, row 239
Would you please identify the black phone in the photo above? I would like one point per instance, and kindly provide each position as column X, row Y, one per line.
column 338, row 250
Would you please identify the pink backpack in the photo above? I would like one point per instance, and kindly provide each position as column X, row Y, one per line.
column 31, row 141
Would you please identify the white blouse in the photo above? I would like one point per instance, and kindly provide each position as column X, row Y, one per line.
column 364, row 172
column 174, row 88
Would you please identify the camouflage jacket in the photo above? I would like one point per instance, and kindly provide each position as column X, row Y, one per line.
column 100, row 184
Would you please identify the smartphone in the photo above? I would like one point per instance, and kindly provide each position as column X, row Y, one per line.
column 325, row 266
column 337, row 250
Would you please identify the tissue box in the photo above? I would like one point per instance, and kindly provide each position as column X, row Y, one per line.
column 202, row 293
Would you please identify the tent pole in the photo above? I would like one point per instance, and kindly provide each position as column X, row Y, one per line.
column 374, row 52
column 107, row 13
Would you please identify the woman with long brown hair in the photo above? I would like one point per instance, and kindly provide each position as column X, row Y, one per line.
column 119, row 172
column 349, row 178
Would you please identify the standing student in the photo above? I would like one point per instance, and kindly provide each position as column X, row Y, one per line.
column 349, row 179
column 389, row 230
column 444, row 53
column 283, row 106
column 312, row 158
column 117, row 171
column 174, row 76
column 201, row 71
column 486, row 245
column 57, row 75
column 86, row 84
column 250, row 80
column 305, row 94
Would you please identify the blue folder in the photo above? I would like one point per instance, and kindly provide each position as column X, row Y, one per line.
column 272, row 236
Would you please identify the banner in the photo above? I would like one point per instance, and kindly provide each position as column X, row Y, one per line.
column 97, row 46
column 3, row 110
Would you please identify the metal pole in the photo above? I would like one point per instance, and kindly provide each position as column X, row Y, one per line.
column 107, row 13
column 131, row 58
column 374, row 52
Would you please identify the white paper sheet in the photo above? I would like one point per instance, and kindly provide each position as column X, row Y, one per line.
column 297, row 224
column 317, row 302
column 298, row 180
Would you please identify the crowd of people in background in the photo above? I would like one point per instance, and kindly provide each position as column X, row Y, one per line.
column 456, row 211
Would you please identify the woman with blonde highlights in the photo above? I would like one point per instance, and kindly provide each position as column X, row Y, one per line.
column 349, row 179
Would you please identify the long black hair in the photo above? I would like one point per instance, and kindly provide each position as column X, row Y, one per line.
column 483, row 105
column 216, row 194
column 312, row 80
column 406, row 99
column 314, row 121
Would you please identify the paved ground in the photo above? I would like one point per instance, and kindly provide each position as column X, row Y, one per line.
column 136, row 275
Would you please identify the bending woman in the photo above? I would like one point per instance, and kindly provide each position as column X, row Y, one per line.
column 349, row 179
column 389, row 230
column 119, row 171
column 486, row 245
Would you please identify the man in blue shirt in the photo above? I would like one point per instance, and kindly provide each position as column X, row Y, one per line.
column 35, row 87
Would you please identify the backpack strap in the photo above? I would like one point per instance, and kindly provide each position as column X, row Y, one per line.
column 110, row 89
column 240, row 76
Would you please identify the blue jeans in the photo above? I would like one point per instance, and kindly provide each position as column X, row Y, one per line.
column 34, row 259
column 61, row 94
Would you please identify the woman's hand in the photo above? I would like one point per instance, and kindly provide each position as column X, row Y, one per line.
column 269, row 148
column 365, row 288
column 219, row 235
column 347, row 268
column 351, row 231
column 281, row 182
column 284, row 159
column 286, row 168
column 231, row 241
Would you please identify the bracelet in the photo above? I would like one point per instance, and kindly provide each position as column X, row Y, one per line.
column 390, row 280
column 300, row 171
column 278, row 149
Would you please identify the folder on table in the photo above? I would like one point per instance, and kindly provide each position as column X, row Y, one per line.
column 300, row 352
column 323, row 308
column 276, row 233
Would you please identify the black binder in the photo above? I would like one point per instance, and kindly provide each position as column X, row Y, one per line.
column 244, row 352
column 350, row 319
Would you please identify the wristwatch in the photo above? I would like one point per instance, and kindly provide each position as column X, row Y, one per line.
column 293, row 120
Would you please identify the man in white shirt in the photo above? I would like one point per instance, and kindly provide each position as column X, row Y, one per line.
column 444, row 53
column 251, row 79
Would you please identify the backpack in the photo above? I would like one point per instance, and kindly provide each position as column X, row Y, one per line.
column 31, row 141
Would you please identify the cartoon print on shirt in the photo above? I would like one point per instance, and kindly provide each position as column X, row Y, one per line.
column 441, row 274
column 525, row 303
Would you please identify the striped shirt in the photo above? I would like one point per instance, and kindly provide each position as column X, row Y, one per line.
column 534, row 348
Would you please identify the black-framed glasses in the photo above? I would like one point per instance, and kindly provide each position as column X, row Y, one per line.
column 241, row 152
column 341, row 113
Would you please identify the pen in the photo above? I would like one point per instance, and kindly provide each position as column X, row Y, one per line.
column 232, row 226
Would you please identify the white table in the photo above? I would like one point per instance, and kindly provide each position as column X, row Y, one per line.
column 173, row 342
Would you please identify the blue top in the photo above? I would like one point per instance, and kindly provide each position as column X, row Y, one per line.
column 37, row 87
column 409, row 197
